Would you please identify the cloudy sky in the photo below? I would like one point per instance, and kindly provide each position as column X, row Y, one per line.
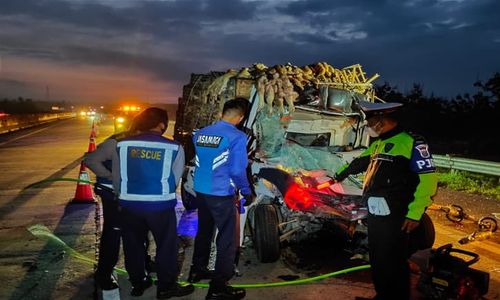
column 107, row 50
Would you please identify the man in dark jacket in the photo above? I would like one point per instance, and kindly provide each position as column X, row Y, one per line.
column 221, row 162
column 399, row 182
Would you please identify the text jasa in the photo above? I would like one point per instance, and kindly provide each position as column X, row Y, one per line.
column 145, row 154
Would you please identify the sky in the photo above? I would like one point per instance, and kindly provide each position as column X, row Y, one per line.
column 111, row 50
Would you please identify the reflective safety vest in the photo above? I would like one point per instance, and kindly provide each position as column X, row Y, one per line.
column 146, row 169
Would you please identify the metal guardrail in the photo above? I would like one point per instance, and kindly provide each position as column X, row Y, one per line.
column 465, row 164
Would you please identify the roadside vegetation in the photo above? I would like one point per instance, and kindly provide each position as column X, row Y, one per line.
column 464, row 126
column 470, row 182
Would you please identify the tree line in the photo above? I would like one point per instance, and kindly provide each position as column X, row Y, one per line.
column 28, row 106
column 465, row 125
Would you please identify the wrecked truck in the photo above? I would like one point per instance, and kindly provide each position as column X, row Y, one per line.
column 302, row 125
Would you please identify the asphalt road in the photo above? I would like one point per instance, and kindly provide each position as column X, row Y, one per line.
column 33, row 268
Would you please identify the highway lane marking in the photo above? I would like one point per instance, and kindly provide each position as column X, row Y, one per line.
column 26, row 135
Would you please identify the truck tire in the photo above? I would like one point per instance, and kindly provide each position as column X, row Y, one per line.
column 423, row 236
column 266, row 234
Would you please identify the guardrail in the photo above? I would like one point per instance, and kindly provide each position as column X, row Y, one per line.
column 16, row 122
column 465, row 164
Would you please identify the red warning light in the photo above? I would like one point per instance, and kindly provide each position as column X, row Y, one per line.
column 298, row 198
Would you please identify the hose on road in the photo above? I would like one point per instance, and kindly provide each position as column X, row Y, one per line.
column 41, row 231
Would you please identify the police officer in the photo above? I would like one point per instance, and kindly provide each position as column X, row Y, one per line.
column 221, row 162
column 100, row 162
column 399, row 182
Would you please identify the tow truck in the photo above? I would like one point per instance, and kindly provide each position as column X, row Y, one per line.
column 124, row 115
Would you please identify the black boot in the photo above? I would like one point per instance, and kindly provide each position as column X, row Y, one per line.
column 106, row 282
column 174, row 290
column 196, row 275
column 138, row 288
column 225, row 292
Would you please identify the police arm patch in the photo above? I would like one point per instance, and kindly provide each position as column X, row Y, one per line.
column 421, row 159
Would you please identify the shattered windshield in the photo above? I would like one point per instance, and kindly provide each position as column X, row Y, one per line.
column 293, row 151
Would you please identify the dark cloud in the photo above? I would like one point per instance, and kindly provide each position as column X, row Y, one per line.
column 446, row 45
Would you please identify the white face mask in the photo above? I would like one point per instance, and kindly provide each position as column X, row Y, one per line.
column 371, row 131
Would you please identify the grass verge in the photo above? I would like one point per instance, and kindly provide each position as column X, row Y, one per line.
column 470, row 182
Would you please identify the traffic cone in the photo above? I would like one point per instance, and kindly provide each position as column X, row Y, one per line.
column 84, row 193
column 92, row 139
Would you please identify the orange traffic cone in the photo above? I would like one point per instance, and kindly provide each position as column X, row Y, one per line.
column 92, row 139
column 84, row 193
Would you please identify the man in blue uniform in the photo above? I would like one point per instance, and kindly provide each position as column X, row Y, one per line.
column 399, row 183
column 100, row 162
column 221, row 162
column 150, row 167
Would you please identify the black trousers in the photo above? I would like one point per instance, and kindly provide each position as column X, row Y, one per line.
column 389, row 256
column 109, row 247
column 221, row 212
column 163, row 226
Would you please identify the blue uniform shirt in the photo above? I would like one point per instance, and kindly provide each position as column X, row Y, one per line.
column 221, row 160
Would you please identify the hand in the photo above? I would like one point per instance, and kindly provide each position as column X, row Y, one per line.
column 409, row 225
column 249, row 198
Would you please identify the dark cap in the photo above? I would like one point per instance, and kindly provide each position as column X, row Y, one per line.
column 379, row 108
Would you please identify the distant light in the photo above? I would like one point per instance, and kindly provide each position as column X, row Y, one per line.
column 120, row 119
column 83, row 114
column 2, row 114
column 102, row 107
column 126, row 108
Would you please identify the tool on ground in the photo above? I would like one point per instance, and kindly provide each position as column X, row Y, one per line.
column 450, row 277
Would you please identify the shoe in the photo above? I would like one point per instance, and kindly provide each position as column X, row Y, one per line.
column 150, row 266
column 106, row 283
column 175, row 290
column 139, row 288
column 225, row 292
column 197, row 275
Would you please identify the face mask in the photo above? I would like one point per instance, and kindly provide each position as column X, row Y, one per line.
column 163, row 129
column 371, row 131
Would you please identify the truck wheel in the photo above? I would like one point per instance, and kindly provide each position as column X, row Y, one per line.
column 266, row 235
column 423, row 236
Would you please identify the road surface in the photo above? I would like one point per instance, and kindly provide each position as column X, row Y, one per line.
column 33, row 268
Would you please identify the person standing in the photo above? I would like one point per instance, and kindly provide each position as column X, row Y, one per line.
column 100, row 162
column 146, row 168
column 221, row 162
column 399, row 183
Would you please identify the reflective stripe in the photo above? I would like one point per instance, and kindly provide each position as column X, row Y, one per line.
column 137, row 197
column 107, row 185
column 219, row 160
